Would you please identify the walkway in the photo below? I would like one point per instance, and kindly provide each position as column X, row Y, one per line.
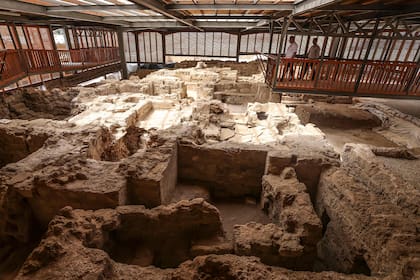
column 15, row 64
column 345, row 77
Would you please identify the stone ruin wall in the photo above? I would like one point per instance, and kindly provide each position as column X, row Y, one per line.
column 129, row 181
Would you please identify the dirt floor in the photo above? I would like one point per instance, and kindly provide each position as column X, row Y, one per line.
column 339, row 137
column 239, row 213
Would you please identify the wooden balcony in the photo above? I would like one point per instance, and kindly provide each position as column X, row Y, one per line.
column 16, row 65
column 345, row 77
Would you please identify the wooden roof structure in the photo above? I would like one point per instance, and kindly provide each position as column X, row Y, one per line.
column 166, row 15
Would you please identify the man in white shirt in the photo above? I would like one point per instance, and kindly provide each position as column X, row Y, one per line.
column 290, row 53
column 292, row 49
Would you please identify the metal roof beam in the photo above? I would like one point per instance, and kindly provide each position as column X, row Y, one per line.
column 228, row 17
column 310, row 5
column 218, row 24
column 160, row 8
column 80, row 8
column 142, row 18
column 23, row 7
column 358, row 8
column 260, row 23
column 233, row 7
column 413, row 11
column 134, row 18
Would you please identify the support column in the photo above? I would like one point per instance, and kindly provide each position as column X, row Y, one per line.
column 271, row 30
column 369, row 47
column 57, row 56
column 344, row 44
column 136, row 38
column 18, row 46
column 238, row 46
column 285, row 27
column 412, row 76
column 164, row 47
column 321, row 61
column 124, row 71
column 67, row 34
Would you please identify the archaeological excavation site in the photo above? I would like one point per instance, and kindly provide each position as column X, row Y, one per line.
column 201, row 140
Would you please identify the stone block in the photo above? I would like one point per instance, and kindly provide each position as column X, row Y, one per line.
column 287, row 203
column 152, row 175
column 228, row 170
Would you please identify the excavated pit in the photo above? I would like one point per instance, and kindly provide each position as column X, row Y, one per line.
column 229, row 177
column 161, row 115
column 30, row 104
column 157, row 237
column 16, row 144
column 343, row 124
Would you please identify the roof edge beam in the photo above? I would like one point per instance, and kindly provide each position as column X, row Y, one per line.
column 94, row 8
column 310, row 5
column 215, row 25
column 234, row 7
column 23, row 7
column 159, row 8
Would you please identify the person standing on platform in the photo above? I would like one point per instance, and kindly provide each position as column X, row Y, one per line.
column 290, row 53
column 313, row 53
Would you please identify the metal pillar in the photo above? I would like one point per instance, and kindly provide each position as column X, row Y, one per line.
column 124, row 71
column 56, row 52
column 162, row 35
column 369, row 47
column 66, row 32
column 238, row 46
column 136, row 37
column 413, row 76
column 285, row 26
column 18, row 46
column 321, row 60
column 271, row 30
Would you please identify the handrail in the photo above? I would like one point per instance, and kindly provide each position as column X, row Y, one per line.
column 18, row 64
column 375, row 78
column 11, row 68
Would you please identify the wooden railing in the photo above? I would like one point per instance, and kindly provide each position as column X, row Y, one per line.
column 18, row 64
column 86, row 58
column 349, row 77
column 42, row 61
column 11, row 68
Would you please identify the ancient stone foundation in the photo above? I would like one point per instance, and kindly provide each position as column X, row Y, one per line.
column 191, row 173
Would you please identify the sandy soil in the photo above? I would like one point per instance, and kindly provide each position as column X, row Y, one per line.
column 339, row 137
column 408, row 169
column 160, row 119
column 410, row 107
column 236, row 213
column 189, row 191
